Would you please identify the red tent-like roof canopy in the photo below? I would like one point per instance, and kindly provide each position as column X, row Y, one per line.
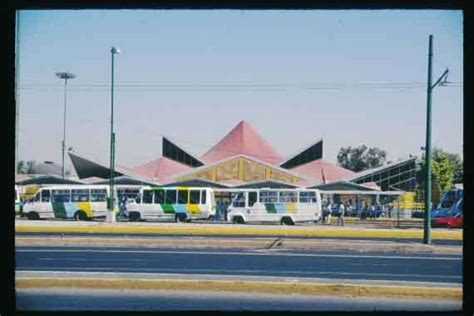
column 242, row 139
column 315, row 169
column 160, row 169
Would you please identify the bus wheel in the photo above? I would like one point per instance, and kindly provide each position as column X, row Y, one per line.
column 134, row 217
column 80, row 216
column 287, row 221
column 237, row 220
column 32, row 216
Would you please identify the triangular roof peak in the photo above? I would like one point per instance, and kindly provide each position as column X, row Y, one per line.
column 160, row 169
column 242, row 139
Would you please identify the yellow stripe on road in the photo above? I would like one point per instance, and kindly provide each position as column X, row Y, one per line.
column 247, row 230
column 453, row 293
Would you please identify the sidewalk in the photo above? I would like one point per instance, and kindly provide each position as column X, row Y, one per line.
column 261, row 243
column 282, row 285
column 229, row 229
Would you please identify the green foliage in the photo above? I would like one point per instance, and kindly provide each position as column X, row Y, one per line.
column 26, row 167
column 442, row 175
column 361, row 158
column 446, row 169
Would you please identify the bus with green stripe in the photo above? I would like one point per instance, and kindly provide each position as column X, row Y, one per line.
column 284, row 206
column 79, row 202
column 178, row 204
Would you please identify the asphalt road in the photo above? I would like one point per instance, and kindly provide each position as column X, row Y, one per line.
column 441, row 242
column 165, row 300
column 351, row 265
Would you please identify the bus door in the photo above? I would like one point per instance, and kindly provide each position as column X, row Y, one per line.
column 223, row 201
column 252, row 198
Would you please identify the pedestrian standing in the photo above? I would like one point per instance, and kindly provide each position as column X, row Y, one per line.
column 123, row 206
column 325, row 214
column 372, row 212
column 350, row 210
column 329, row 213
column 340, row 215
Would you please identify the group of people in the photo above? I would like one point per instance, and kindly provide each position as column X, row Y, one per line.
column 339, row 210
column 363, row 211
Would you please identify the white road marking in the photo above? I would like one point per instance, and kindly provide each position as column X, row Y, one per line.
column 226, row 272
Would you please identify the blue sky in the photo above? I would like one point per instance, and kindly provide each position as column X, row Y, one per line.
column 351, row 77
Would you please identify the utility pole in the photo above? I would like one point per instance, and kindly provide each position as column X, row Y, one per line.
column 110, row 215
column 66, row 76
column 429, row 89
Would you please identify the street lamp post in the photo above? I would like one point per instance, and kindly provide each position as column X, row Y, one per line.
column 17, row 80
column 110, row 214
column 66, row 76
column 429, row 89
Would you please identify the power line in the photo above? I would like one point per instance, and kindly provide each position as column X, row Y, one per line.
column 127, row 86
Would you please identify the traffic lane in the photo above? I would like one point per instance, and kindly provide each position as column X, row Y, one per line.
column 440, row 242
column 277, row 251
column 348, row 266
column 159, row 300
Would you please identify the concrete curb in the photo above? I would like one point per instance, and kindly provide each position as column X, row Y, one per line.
column 245, row 230
column 253, row 243
column 452, row 293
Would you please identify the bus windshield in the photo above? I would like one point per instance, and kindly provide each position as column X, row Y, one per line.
column 449, row 198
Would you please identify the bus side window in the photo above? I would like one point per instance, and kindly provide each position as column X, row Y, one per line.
column 147, row 197
column 252, row 198
column 80, row 195
column 268, row 197
column 203, row 197
column 288, row 197
column 194, row 197
column 61, row 196
column 98, row 195
column 183, row 197
column 131, row 193
column 170, row 197
column 159, row 197
column 312, row 197
column 239, row 200
column 45, row 196
column 304, row 198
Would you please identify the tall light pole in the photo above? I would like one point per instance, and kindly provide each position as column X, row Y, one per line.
column 17, row 80
column 110, row 214
column 429, row 89
column 66, row 76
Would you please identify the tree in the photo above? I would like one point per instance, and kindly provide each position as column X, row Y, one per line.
column 361, row 158
column 455, row 162
column 442, row 174
column 26, row 167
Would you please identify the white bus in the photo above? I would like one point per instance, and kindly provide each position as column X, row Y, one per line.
column 172, row 203
column 79, row 202
column 284, row 206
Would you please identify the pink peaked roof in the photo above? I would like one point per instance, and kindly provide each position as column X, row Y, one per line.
column 242, row 139
column 91, row 180
column 316, row 168
column 161, row 169
column 372, row 185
